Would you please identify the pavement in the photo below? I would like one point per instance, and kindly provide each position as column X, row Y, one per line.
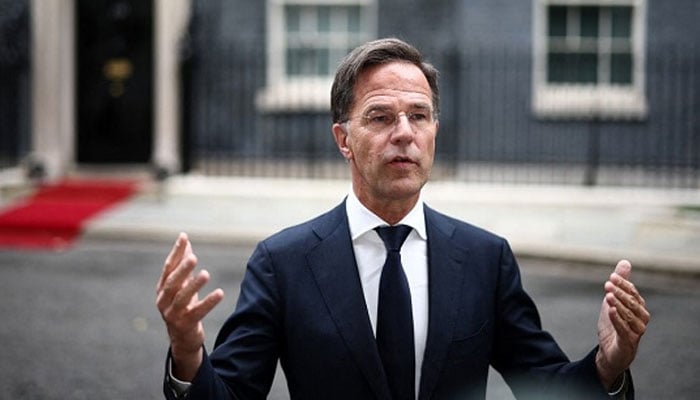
column 656, row 229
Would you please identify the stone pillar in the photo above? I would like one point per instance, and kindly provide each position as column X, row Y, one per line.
column 172, row 17
column 53, row 86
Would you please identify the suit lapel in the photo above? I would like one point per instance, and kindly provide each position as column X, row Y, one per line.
column 445, row 275
column 332, row 263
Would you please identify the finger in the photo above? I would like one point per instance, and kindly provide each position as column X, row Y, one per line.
column 619, row 317
column 624, row 269
column 176, row 281
column 625, row 319
column 173, row 259
column 628, row 287
column 630, row 298
column 189, row 291
column 204, row 306
column 626, row 291
column 634, row 302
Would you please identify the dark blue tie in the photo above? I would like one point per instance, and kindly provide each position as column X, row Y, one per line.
column 395, row 318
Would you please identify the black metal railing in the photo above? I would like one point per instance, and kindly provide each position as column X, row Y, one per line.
column 488, row 131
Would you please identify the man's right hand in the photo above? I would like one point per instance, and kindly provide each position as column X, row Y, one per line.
column 179, row 305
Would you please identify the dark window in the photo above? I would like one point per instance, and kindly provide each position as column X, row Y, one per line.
column 589, row 45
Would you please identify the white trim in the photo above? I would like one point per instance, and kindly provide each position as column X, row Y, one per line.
column 602, row 3
column 284, row 93
column 589, row 101
column 606, row 102
column 296, row 95
column 170, row 24
column 53, row 126
column 53, row 85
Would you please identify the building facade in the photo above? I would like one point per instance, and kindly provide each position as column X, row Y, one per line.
column 554, row 91
column 541, row 91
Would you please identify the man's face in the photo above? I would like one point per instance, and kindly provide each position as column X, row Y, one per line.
column 389, row 139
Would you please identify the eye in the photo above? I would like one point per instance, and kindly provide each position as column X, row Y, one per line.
column 418, row 116
column 379, row 118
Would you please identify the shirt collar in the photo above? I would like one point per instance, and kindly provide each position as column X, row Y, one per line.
column 361, row 219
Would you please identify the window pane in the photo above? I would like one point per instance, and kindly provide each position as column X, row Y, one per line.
column 589, row 21
column 303, row 61
column 322, row 62
column 556, row 68
column 557, row 21
column 292, row 18
column 324, row 19
column 336, row 55
column 621, row 68
column 572, row 68
column 621, row 22
column 292, row 62
column 587, row 68
column 353, row 19
column 315, row 34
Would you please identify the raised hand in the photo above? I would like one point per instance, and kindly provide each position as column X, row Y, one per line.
column 622, row 322
column 182, row 310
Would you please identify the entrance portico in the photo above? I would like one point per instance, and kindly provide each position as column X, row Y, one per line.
column 54, row 125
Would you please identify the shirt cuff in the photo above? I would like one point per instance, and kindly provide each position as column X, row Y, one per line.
column 179, row 387
column 620, row 393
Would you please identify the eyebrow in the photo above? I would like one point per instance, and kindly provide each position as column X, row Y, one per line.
column 377, row 107
column 386, row 107
column 421, row 106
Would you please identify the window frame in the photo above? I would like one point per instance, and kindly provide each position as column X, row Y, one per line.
column 589, row 101
column 301, row 93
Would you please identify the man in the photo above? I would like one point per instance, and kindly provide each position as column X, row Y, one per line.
column 315, row 296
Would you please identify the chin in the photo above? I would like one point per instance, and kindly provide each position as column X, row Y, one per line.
column 404, row 189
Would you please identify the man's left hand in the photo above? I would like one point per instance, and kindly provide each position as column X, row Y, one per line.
column 622, row 322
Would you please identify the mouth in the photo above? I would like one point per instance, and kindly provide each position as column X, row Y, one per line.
column 401, row 160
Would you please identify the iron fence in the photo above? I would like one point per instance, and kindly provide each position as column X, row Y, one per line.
column 488, row 131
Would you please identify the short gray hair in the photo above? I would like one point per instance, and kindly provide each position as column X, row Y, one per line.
column 381, row 51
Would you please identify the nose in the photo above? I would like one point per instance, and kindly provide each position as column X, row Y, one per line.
column 403, row 131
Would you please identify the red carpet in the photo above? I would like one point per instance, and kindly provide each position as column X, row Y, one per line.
column 53, row 217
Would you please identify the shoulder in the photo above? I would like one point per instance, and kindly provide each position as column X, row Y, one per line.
column 456, row 228
column 308, row 233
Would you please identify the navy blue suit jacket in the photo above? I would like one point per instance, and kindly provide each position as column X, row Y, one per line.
column 301, row 302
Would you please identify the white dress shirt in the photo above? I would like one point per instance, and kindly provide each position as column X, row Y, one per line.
column 370, row 255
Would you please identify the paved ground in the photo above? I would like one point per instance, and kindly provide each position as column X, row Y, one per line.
column 655, row 229
column 82, row 324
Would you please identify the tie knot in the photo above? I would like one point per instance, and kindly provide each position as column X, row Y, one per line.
column 393, row 236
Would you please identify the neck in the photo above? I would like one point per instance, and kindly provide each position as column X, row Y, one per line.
column 391, row 211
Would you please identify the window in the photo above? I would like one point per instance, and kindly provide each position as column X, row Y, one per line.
column 306, row 41
column 589, row 59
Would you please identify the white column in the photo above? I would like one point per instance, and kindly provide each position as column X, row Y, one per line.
column 53, row 85
column 171, row 18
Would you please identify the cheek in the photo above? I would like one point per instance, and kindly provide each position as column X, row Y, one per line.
column 372, row 154
column 429, row 143
column 362, row 150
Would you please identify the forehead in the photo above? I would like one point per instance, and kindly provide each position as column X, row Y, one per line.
column 395, row 82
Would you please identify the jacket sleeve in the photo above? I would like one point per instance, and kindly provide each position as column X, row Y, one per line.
column 243, row 362
column 528, row 358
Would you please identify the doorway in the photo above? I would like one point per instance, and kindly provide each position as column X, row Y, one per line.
column 114, row 49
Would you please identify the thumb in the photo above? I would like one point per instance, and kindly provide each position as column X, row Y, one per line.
column 624, row 269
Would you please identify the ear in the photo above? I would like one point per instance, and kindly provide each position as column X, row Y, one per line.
column 340, row 134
